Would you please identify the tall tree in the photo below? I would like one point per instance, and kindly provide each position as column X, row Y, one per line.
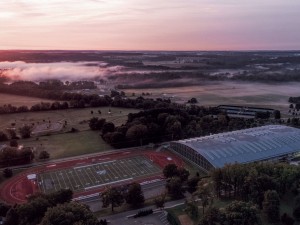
column 69, row 213
column 25, row 131
column 134, row 195
column 271, row 206
column 170, row 170
column 183, row 174
column 159, row 201
column 112, row 196
column 241, row 213
column 174, row 187
column 3, row 136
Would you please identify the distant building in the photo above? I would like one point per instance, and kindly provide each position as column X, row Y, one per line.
column 244, row 111
column 272, row 142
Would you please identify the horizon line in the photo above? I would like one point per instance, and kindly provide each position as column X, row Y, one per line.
column 117, row 50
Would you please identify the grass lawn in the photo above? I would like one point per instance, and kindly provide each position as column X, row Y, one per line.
column 63, row 143
column 68, row 144
column 17, row 100
column 77, row 118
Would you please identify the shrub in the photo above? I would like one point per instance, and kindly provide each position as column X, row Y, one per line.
column 143, row 213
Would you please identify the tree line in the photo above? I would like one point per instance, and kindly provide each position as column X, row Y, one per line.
column 55, row 208
column 64, row 99
column 261, row 186
column 165, row 124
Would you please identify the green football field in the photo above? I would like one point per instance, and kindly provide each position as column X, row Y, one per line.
column 97, row 175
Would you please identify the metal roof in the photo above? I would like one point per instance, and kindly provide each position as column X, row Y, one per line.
column 244, row 146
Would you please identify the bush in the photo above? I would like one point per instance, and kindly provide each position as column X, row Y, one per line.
column 143, row 213
column 103, row 222
column 172, row 219
column 44, row 155
column 7, row 172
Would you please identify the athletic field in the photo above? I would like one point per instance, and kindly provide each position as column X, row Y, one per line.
column 97, row 174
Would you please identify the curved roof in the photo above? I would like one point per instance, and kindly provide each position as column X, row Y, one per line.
column 244, row 146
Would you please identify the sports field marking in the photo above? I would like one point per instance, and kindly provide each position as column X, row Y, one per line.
column 118, row 181
column 97, row 174
column 78, row 167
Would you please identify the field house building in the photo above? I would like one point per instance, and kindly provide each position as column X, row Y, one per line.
column 272, row 142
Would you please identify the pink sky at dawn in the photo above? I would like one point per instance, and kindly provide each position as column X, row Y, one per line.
column 150, row 24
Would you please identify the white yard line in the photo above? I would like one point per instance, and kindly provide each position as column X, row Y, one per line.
column 78, row 178
column 70, row 182
column 79, row 167
column 54, row 182
column 118, row 181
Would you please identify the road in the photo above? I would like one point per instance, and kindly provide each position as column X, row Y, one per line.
column 150, row 190
column 157, row 218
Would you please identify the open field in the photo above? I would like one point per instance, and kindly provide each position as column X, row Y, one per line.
column 99, row 174
column 239, row 93
column 17, row 100
column 77, row 118
column 63, row 143
column 68, row 144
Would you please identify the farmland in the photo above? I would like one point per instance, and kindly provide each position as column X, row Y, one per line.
column 17, row 100
column 239, row 93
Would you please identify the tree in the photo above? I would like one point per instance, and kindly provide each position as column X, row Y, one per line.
column 160, row 201
column 174, row 187
column 193, row 101
column 287, row 220
column 7, row 172
column 112, row 196
column 103, row 222
column 211, row 217
column 204, row 192
column 192, row 184
column 44, row 155
column 25, row 131
column 134, row 195
column 69, row 213
column 13, row 143
column 136, row 133
column 61, row 196
column 12, row 216
column 3, row 136
column 170, row 170
column 192, row 210
column 296, row 210
column 277, row 114
column 115, row 139
column 239, row 212
column 108, row 127
column 271, row 205
column 183, row 174
column 96, row 124
column 4, row 209
column 12, row 134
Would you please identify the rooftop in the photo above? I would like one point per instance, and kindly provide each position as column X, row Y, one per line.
column 249, row 145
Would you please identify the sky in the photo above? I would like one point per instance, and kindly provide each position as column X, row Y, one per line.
column 150, row 24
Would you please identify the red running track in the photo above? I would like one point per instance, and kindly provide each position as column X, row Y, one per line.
column 18, row 188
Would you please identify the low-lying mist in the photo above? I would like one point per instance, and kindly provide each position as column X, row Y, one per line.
column 71, row 71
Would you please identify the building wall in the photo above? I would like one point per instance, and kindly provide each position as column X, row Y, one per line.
column 192, row 155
